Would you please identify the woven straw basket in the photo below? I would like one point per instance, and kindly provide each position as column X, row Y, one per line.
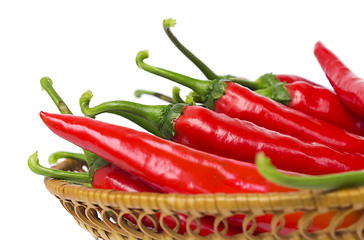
column 101, row 211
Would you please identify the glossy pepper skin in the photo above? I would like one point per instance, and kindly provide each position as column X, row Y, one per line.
column 238, row 139
column 314, row 100
column 245, row 104
column 324, row 104
column 219, row 134
column 234, row 100
column 112, row 177
column 347, row 85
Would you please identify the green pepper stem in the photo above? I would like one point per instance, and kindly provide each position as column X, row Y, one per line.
column 138, row 93
column 209, row 74
column 193, row 98
column 202, row 87
column 266, row 80
column 278, row 92
column 33, row 163
column 146, row 116
column 176, row 98
column 252, row 85
column 167, row 24
column 91, row 158
column 176, row 95
column 323, row 182
column 54, row 157
column 47, row 85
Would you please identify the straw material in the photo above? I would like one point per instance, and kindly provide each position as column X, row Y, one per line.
column 102, row 212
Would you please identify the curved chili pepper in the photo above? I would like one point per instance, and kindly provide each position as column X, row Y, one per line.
column 324, row 181
column 236, row 101
column 348, row 86
column 169, row 166
column 216, row 133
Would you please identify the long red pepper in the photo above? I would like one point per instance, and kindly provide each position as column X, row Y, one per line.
column 347, row 85
column 315, row 100
column 216, row 133
column 240, row 102
column 311, row 99
column 298, row 93
column 169, row 166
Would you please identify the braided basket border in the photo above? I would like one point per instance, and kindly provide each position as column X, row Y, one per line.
column 89, row 207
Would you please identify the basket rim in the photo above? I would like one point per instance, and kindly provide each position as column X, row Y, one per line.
column 257, row 203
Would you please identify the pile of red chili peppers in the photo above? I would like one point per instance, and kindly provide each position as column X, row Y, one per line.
column 279, row 133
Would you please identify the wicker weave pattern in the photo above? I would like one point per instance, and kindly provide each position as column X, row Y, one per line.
column 102, row 212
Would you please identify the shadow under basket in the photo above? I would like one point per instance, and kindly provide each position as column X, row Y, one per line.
column 109, row 214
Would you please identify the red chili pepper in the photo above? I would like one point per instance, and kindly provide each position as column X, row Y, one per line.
column 316, row 101
column 216, row 133
column 347, row 85
column 112, row 177
column 240, row 102
column 169, row 166
column 299, row 93
column 312, row 99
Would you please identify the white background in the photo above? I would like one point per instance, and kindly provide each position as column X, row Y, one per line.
column 91, row 45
